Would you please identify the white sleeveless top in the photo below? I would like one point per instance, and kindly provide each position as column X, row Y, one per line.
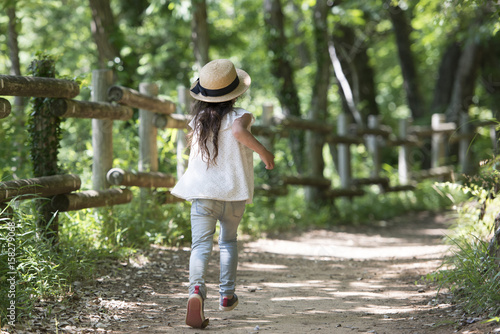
column 230, row 178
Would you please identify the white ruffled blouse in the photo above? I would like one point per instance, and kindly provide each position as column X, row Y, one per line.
column 230, row 178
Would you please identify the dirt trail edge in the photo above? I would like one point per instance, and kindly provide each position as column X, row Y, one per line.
column 345, row 280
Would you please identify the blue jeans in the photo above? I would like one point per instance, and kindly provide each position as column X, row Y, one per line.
column 204, row 216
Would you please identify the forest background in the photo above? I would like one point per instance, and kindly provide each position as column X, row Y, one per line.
column 310, row 59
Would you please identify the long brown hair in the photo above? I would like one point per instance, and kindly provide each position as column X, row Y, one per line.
column 207, row 120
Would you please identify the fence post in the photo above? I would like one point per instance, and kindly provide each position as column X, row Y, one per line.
column 403, row 163
column 266, row 120
column 464, row 144
column 183, row 108
column 494, row 139
column 437, row 144
column 148, row 152
column 102, row 131
column 268, row 141
column 373, row 145
column 344, row 153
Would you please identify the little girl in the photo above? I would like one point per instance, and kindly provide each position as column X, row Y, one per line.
column 219, row 179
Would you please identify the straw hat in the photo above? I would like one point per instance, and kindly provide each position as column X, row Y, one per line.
column 220, row 81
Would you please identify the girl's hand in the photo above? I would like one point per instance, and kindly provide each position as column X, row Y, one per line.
column 268, row 159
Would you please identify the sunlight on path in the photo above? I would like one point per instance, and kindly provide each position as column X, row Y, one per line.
column 362, row 247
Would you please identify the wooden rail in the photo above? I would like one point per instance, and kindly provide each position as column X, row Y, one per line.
column 5, row 108
column 60, row 93
column 118, row 176
column 165, row 197
column 133, row 98
column 157, row 113
column 91, row 199
column 40, row 186
column 87, row 109
column 439, row 132
column 38, row 87
column 307, row 181
column 174, row 121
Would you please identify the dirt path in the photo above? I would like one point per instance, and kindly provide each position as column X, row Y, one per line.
column 339, row 281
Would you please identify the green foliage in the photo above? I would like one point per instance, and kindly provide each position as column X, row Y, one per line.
column 86, row 236
column 14, row 149
column 40, row 270
column 473, row 278
column 155, row 41
column 44, row 128
column 471, row 274
column 292, row 213
column 144, row 222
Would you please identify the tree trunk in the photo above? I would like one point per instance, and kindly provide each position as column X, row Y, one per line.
column 303, row 53
column 442, row 91
column 490, row 79
column 341, row 37
column 319, row 101
column 103, row 28
column 490, row 71
column 45, row 134
column 282, row 71
column 199, row 32
column 402, row 31
column 14, row 55
column 19, row 106
column 365, row 74
column 446, row 77
column 465, row 80
column 494, row 245
column 352, row 54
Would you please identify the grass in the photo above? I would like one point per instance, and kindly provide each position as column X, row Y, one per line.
column 292, row 212
column 42, row 271
column 471, row 274
column 473, row 278
column 86, row 237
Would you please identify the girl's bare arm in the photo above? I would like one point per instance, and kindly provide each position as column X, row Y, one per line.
column 241, row 133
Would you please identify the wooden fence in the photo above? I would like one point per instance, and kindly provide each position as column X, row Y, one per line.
column 109, row 103
column 375, row 137
column 114, row 103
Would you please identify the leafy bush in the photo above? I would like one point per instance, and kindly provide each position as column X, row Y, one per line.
column 473, row 278
column 40, row 270
column 471, row 274
column 291, row 212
